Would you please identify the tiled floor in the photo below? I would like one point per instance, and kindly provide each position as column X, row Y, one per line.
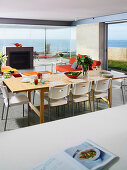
column 16, row 120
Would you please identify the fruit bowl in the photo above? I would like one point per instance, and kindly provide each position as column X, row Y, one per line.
column 72, row 75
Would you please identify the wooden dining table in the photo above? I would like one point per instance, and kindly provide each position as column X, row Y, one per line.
column 15, row 85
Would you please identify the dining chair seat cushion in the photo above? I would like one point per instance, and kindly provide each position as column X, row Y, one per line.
column 54, row 102
column 16, row 74
column 99, row 94
column 79, row 98
column 17, row 100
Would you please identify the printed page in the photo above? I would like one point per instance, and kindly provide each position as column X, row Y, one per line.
column 60, row 161
column 70, row 159
column 103, row 157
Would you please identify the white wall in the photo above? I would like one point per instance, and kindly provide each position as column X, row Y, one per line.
column 90, row 40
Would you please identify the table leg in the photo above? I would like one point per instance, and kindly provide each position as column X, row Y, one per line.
column 41, row 106
column 29, row 97
column 110, row 94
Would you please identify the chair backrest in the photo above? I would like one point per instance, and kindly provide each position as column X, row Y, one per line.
column 4, row 92
column 72, row 60
column 102, row 85
column 81, row 88
column 96, row 63
column 59, row 92
column 57, row 54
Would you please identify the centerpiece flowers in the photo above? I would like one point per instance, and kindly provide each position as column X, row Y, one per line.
column 85, row 62
column 3, row 58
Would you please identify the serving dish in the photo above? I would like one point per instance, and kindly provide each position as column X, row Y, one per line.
column 107, row 75
column 89, row 154
column 72, row 75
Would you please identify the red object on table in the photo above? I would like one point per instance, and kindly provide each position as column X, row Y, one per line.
column 39, row 75
column 36, row 81
column 71, row 76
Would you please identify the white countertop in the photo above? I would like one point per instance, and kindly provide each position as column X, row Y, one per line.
column 24, row 148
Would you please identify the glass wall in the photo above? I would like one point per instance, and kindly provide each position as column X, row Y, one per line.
column 46, row 40
column 25, row 35
column 61, row 39
column 117, row 46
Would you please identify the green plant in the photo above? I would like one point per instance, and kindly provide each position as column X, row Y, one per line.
column 3, row 58
column 85, row 62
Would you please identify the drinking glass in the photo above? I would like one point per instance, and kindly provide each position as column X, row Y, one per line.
column 36, row 81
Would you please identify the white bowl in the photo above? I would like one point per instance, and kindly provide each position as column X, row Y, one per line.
column 90, row 149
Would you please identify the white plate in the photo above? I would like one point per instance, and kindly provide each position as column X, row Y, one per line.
column 25, row 80
column 57, row 83
column 107, row 75
column 91, row 159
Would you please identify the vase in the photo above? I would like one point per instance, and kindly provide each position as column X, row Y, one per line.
column 85, row 71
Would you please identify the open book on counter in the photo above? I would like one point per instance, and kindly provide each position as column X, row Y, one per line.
column 86, row 156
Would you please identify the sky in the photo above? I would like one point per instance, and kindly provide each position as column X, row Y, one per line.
column 117, row 31
column 36, row 33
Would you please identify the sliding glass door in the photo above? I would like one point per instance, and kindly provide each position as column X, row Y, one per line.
column 117, row 46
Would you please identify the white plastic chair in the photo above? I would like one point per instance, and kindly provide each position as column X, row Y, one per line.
column 10, row 101
column 57, row 96
column 119, row 83
column 81, row 93
column 124, row 89
column 101, row 90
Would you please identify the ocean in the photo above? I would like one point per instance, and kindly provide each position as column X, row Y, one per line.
column 117, row 43
column 39, row 44
column 55, row 45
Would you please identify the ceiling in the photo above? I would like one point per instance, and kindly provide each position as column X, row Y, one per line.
column 60, row 9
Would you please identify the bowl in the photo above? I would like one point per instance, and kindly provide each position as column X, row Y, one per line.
column 72, row 75
column 107, row 75
column 88, row 154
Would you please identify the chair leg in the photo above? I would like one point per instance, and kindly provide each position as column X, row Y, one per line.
column 90, row 103
column 73, row 111
column 73, row 106
column 109, row 99
column 78, row 107
column 64, row 111
column 23, row 110
column 6, row 118
column 84, row 105
column 3, row 112
column 58, row 110
column 97, row 104
column 93, row 102
column 28, row 118
column 123, row 95
column 68, row 104
column 49, row 108
column 33, row 97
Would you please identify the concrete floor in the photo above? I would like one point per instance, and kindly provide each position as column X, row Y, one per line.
column 16, row 120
